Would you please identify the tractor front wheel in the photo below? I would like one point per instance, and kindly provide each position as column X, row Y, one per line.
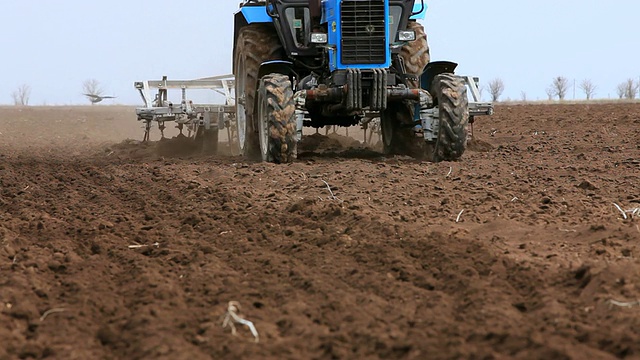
column 397, row 132
column 450, row 93
column 275, row 114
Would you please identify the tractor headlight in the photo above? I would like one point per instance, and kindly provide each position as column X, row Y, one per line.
column 318, row 38
column 406, row 35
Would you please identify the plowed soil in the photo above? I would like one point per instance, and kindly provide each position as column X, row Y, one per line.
column 114, row 249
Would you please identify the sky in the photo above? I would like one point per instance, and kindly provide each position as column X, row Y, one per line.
column 53, row 46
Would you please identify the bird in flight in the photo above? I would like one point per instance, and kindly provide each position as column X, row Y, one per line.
column 97, row 98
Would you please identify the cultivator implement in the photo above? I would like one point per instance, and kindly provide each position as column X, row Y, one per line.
column 202, row 122
column 210, row 118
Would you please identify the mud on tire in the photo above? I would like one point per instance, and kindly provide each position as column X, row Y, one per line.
column 416, row 54
column 276, row 119
column 450, row 93
column 255, row 44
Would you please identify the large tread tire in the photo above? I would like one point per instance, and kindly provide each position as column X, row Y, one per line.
column 398, row 136
column 450, row 92
column 276, row 114
column 255, row 44
column 416, row 54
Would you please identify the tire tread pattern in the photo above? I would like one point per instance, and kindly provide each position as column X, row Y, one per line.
column 416, row 54
column 278, row 93
column 453, row 104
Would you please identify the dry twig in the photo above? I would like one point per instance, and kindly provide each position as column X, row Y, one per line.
column 51, row 311
column 628, row 214
column 330, row 191
column 138, row 246
column 231, row 317
column 624, row 304
column 624, row 214
column 459, row 215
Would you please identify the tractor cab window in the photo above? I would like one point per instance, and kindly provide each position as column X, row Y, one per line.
column 299, row 20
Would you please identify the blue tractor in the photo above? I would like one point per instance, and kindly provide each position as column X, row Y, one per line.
column 320, row 63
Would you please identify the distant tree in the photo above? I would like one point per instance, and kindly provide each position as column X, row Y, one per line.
column 560, row 86
column 621, row 89
column 630, row 89
column 523, row 96
column 550, row 92
column 92, row 87
column 93, row 90
column 588, row 88
column 22, row 95
column 496, row 88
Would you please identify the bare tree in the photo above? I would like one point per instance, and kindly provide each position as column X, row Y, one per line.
column 560, row 86
column 550, row 92
column 21, row 95
column 496, row 88
column 93, row 90
column 621, row 89
column 589, row 88
column 630, row 89
column 523, row 96
column 92, row 87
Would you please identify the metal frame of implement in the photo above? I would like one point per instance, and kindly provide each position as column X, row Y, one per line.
column 159, row 109
column 222, row 116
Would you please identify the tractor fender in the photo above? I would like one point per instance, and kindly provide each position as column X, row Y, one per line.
column 277, row 66
column 433, row 69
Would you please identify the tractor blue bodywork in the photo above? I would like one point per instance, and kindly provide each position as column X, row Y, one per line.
column 332, row 17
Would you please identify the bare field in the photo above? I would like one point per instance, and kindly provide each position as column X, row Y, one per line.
column 113, row 249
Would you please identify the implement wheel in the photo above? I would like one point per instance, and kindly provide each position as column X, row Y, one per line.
column 275, row 114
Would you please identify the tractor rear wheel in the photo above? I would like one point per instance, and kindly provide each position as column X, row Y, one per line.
column 256, row 43
column 275, row 115
column 450, row 93
column 415, row 54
